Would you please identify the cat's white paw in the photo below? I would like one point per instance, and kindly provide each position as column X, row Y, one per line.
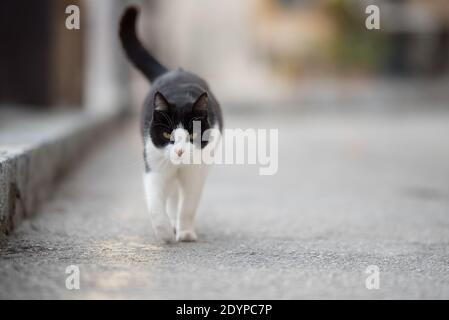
column 186, row 235
column 166, row 233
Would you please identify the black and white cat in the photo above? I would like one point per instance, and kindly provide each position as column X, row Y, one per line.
column 178, row 102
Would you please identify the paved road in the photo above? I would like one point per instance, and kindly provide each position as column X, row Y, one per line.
column 351, row 191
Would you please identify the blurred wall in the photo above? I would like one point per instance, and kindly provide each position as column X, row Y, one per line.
column 106, row 69
column 41, row 62
column 211, row 38
column 45, row 65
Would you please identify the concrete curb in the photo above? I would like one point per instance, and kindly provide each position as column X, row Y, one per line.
column 29, row 169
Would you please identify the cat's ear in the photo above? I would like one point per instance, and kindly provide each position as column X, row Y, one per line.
column 200, row 104
column 160, row 103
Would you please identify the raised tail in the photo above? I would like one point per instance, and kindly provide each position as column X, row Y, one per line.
column 134, row 49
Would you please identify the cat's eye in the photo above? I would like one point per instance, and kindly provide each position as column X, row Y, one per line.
column 166, row 135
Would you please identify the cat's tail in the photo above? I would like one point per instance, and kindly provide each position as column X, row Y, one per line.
column 134, row 49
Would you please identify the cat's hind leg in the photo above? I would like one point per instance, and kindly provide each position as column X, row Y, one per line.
column 156, row 187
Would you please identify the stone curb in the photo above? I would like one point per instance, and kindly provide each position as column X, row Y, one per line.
column 29, row 172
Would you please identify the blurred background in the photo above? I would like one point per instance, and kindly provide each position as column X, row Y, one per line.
column 289, row 54
column 284, row 52
column 363, row 149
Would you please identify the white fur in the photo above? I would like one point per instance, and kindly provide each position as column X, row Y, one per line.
column 173, row 187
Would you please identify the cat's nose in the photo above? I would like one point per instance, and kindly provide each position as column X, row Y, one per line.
column 179, row 152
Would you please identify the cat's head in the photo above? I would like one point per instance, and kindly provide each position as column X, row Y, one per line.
column 179, row 124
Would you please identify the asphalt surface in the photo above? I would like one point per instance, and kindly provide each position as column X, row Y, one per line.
column 351, row 191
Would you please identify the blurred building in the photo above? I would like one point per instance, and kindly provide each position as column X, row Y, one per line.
column 418, row 33
column 41, row 61
column 294, row 37
column 246, row 49
column 43, row 64
column 301, row 37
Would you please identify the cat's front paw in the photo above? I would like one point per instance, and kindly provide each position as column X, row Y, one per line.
column 186, row 235
column 165, row 233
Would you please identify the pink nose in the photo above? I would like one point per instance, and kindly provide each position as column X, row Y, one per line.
column 179, row 152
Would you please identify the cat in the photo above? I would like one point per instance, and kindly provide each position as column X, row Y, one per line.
column 177, row 104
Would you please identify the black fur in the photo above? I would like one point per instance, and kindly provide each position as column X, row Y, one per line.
column 137, row 54
column 176, row 97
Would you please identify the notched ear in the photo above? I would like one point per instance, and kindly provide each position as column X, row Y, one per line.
column 160, row 103
column 200, row 104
